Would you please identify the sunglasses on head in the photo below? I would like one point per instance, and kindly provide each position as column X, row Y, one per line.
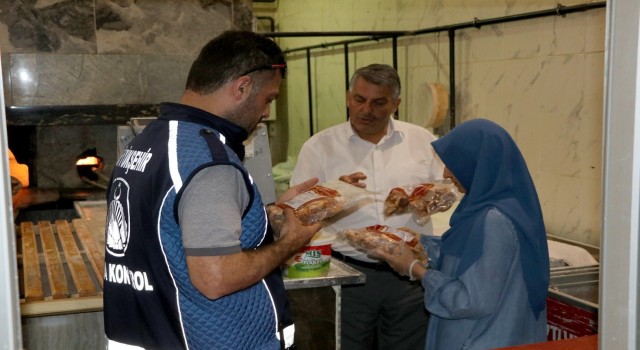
column 280, row 66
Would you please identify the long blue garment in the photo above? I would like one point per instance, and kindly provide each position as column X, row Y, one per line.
column 493, row 261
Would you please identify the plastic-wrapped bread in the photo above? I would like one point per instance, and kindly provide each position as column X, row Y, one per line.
column 318, row 203
column 396, row 202
column 422, row 200
column 276, row 218
column 384, row 238
column 428, row 199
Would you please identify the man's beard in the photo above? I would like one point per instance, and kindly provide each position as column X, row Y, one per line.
column 245, row 114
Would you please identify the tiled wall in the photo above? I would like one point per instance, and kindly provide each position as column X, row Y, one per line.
column 541, row 79
column 101, row 52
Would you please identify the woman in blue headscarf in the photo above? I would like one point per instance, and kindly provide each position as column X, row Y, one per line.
column 487, row 281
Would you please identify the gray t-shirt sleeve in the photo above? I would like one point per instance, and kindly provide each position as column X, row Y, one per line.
column 210, row 211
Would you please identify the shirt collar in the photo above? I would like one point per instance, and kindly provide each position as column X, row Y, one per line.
column 393, row 129
column 234, row 134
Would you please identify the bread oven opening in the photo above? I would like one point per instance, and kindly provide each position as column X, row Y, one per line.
column 65, row 152
column 49, row 138
column 90, row 166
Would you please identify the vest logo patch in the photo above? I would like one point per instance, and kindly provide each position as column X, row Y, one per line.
column 134, row 160
column 120, row 274
column 118, row 218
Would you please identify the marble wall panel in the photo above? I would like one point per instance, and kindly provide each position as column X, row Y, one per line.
column 295, row 107
column 414, row 12
column 77, row 79
column 563, row 35
column 476, row 45
column 98, row 51
column 163, row 78
column 294, row 16
column 595, row 30
column 22, row 78
column 571, row 206
column 521, row 39
column 159, row 27
column 63, row 26
column 456, row 11
column 329, row 90
column 519, row 97
column 369, row 53
column 424, row 50
column 592, row 124
column 481, row 93
column 387, row 15
column 561, row 99
column 512, row 7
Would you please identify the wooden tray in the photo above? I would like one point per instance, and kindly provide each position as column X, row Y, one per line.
column 61, row 268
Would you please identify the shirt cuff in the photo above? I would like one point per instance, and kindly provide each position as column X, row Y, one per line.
column 215, row 251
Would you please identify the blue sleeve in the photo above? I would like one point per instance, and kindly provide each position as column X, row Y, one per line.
column 476, row 292
column 431, row 245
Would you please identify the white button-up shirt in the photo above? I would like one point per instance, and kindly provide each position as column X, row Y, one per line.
column 403, row 157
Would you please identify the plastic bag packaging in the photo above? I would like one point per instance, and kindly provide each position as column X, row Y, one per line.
column 426, row 201
column 397, row 201
column 421, row 200
column 380, row 237
column 320, row 202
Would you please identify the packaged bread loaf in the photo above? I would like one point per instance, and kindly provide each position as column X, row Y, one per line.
column 397, row 201
column 431, row 198
column 384, row 238
column 320, row 202
column 422, row 200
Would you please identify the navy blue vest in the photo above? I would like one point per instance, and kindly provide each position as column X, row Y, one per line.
column 149, row 300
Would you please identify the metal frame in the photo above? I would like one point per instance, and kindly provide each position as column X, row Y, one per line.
column 618, row 318
column 10, row 331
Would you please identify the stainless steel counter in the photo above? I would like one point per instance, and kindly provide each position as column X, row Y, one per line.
column 577, row 286
column 339, row 274
column 572, row 302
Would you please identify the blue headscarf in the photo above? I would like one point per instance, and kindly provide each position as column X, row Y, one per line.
column 487, row 162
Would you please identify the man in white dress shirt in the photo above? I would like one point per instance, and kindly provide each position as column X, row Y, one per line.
column 375, row 151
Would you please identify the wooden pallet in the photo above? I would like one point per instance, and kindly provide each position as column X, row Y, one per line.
column 62, row 268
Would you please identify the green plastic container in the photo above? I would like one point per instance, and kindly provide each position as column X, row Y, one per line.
column 313, row 260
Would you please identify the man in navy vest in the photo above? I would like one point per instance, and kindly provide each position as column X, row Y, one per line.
column 190, row 260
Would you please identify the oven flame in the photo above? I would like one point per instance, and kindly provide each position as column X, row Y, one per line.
column 18, row 170
column 88, row 161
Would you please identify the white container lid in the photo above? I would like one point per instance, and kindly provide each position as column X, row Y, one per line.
column 321, row 238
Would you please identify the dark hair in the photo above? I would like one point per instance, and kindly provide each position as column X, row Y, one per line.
column 378, row 74
column 228, row 56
